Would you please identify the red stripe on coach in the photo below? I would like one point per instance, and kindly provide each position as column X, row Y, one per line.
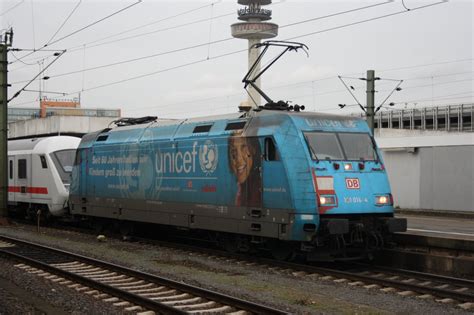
column 29, row 190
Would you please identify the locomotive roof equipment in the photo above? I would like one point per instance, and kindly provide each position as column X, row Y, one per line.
column 247, row 80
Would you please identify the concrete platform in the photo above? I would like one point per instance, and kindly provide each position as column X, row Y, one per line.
column 437, row 226
column 435, row 244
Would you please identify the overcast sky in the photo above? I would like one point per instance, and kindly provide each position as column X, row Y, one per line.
column 431, row 49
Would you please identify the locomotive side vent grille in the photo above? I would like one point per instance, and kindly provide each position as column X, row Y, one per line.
column 255, row 213
column 255, row 227
column 235, row 125
column 203, row 128
column 102, row 138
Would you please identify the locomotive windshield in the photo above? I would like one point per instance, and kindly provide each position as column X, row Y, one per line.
column 324, row 146
column 64, row 160
column 340, row 146
column 358, row 146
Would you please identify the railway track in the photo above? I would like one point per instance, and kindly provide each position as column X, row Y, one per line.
column 134, row 291
column 443, row 289
column 399, row 281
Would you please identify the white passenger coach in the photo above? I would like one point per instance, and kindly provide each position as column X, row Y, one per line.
column 39, row 174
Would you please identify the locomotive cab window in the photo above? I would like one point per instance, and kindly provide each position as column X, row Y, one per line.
column 43, row 161
column 324, row 146
column 358, row 146
column 341, row 146
column 271, row 153
column 22, row 168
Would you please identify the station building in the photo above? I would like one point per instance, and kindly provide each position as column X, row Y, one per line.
column 429, row 156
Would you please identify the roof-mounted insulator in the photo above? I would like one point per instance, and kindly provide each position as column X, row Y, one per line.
column 134, row 121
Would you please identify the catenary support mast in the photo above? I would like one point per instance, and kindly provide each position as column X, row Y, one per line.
column 371, row 99
column 5, row 42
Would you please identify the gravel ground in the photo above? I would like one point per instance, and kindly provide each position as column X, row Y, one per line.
column 295, row 294
column 22, row 293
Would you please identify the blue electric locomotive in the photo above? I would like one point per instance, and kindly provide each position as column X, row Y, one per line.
column 272, row 178
column 281, row 180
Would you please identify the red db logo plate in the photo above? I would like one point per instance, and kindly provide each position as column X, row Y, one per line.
column 352, row 183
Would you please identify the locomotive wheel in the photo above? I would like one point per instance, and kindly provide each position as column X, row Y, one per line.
column 235, row 243
column 282, row 251
column 99, row 226
column 126, row 230
column 230, row 243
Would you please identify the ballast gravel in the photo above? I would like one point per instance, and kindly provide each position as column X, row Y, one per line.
column 295, row 293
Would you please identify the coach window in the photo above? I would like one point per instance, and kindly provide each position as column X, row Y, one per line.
column 22, row 168
column 271, row 153
column 43, row 161
column 11, row 169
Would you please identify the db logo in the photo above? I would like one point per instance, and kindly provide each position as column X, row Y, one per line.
column 352, row 183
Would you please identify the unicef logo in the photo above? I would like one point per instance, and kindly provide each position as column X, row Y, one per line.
column 208, row 157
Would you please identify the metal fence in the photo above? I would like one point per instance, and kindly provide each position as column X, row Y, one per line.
column 446, row 118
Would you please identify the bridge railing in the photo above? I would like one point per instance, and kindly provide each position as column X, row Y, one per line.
column 458, row 117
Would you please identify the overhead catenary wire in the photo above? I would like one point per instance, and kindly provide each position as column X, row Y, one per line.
column 223, row 55
column 223, row 106
column 353, row 96
column 43, row 70
column 33, row 23
column 204, row 44
column 426, row 65
column 210, row 31
column 421, row 100
column 23, row 62
column 83, row 28
column 88, row 44
column 94, row 23
column 275, row 87
column 12, row 8
column 64, row 22
column 436, row 84
column 388, row 96
column 369, row 20
column 76, row 48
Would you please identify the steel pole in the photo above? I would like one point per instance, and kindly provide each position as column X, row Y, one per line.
column 3, row 132
column 371, row 100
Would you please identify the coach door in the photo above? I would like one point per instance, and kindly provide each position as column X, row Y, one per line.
column 23, row 177
column 11, row 178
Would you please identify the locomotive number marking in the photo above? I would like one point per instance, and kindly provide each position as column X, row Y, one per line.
column 352, row 183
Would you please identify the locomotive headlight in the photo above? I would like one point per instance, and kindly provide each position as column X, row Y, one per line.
column 327, row 200
column 383, row 200
column 348, row 167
